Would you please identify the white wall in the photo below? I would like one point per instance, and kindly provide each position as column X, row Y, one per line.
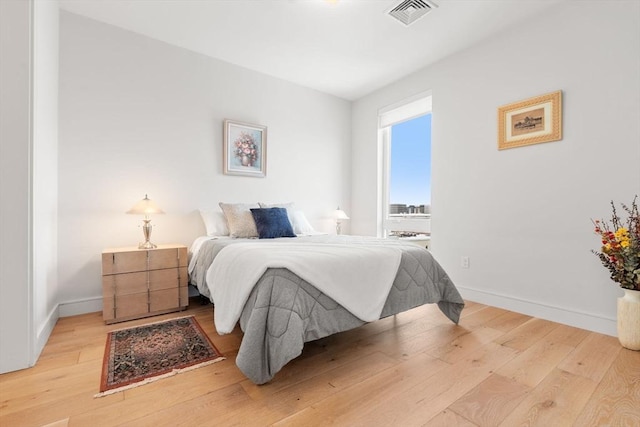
column 523, row 215
column 45, row 170
column 28, row 184
column 140, row 116
column 16, row 322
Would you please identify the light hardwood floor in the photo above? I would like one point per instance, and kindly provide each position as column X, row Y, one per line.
column 417, row 368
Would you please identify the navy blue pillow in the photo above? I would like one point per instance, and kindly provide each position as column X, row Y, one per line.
column 272, row 223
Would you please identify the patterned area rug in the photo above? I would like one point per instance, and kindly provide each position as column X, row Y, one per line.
column 146, row 353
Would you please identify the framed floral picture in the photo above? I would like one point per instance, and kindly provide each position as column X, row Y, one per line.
column 244, row 149
column 531, row 121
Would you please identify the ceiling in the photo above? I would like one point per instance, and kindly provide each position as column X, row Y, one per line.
column 347, row 48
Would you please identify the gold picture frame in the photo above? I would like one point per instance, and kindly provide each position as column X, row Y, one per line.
column 531, row 121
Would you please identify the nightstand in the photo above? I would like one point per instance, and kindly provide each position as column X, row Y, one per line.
column 423, row 241
column 139, row 283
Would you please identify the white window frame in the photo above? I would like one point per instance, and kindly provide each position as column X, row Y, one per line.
column 408, row 109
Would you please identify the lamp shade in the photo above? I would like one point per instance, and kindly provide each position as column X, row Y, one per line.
column 340, row 214
column 145, row 206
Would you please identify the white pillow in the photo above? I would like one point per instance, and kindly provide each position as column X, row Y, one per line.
column 215, row 223
column 277, row 205
column 239, row 219
column 300, row 223
column 287, row 206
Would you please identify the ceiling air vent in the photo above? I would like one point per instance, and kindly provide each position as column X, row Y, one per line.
column 409, row 11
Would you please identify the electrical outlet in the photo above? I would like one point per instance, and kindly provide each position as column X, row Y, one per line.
column 464, row 262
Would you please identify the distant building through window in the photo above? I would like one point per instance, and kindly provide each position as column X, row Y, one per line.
column 402, row 209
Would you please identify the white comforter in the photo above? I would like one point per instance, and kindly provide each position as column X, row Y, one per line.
column 358, row 276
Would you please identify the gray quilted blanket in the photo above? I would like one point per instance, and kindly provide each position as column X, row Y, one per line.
column 283, row 311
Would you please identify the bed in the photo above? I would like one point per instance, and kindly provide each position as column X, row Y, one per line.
column 289, row 303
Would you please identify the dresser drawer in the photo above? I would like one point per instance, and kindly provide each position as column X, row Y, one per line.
column 133, row 283
column 165, row 279
column 126, row 261
column 125, row 306
column 125, row 284
column 167, row 298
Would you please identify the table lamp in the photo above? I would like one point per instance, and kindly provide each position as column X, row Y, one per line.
column 146, row 207
column 339, row 215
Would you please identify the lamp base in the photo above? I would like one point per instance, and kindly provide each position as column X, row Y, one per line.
column 146, row 228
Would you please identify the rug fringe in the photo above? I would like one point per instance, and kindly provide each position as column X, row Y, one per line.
column 152, row 379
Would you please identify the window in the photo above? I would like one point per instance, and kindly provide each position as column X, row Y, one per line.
column 405, row 200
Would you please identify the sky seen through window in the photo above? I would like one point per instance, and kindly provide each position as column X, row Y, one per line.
column 410, row 163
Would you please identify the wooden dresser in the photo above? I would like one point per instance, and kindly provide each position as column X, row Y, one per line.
column 139, row 283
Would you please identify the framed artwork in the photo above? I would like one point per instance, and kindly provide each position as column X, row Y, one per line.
column 244, row 149
column 531, row 121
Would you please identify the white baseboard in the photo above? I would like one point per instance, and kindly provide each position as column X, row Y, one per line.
column 574, row 318
column 87, row 305
column 45, row 332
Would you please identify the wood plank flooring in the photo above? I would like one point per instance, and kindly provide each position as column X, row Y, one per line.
column 497, row 368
